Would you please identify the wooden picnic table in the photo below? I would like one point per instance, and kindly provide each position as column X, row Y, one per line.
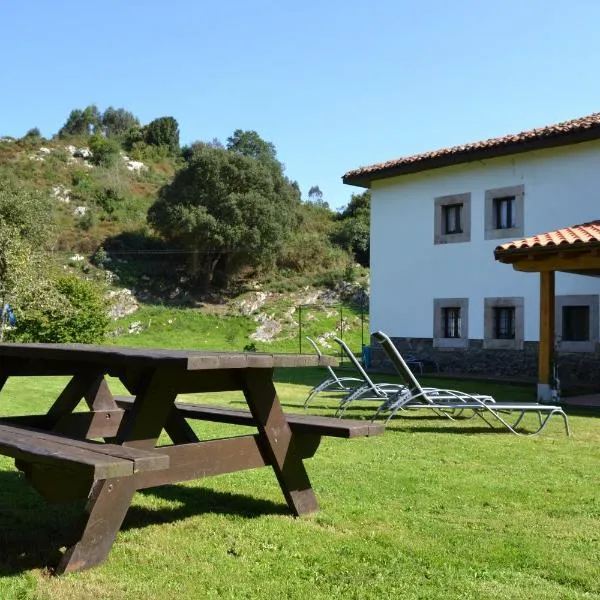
column 61, row 454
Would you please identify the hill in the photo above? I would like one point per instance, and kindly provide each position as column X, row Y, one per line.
column 92, row 203
column 102, row 234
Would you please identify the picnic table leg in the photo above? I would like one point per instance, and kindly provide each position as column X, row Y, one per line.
column 70, row 397
column 155, row 395
column 105, row 510
column 277, row 441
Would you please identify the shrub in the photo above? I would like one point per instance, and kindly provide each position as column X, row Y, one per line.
column 105, row 151
column 109, row 200
column 34, row 133
column 73, row 311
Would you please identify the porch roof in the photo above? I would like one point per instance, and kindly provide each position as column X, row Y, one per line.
column 574, row 249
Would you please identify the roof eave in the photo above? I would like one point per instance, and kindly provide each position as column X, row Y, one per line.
column 511, row 255
column 549, row 141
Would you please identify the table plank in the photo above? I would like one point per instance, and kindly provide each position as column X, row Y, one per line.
column 140, row 459
column 37, row 355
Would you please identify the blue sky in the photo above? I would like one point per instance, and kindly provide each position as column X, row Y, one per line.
column 333, row 84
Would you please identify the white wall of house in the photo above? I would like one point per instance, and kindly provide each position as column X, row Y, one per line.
column 561, row 188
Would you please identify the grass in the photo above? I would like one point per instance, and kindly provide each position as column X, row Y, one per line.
column 431, row 509
column 168, row 327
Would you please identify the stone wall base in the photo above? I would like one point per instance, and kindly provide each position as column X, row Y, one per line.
column 475, row 360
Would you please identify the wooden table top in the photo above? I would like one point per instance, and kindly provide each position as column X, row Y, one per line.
column 189, row 360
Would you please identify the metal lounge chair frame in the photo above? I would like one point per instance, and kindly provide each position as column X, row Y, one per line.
column 444, row 401
column 333, row 383
column 369, row 390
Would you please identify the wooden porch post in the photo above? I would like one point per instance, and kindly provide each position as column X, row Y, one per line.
column 546, row 349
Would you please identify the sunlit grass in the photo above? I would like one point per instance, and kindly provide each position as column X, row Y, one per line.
column 431, row 509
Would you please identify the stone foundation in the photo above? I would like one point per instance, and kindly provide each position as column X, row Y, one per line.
column 474, row 360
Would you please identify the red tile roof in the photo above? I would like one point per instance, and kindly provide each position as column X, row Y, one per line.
column 577, row 235
column 568, row 132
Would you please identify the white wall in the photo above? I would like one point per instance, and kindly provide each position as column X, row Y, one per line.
column 562, row 188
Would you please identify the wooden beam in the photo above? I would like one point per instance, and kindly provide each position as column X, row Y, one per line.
column 555, row 262
column 214, row 457
column 546, row 348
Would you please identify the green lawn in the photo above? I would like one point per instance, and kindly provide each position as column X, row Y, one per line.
column 164, row 327
column 431, row 509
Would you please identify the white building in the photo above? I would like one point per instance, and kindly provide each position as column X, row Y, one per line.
column 436, row 219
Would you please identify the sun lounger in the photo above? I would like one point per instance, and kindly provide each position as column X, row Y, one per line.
column 451, row 402
column 333, row 383
column 369, row 390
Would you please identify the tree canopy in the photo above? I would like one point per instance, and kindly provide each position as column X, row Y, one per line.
column 354, row 229
column 116, row 122
column 48, row 307
column 163, row 131
column 82, row 122
column 250, row 144
column 229, row 209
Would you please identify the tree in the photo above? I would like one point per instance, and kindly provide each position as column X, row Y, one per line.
column 354, row 228
column 230, row 210
column 188, row 151
column 249, row 143
column 315, row 196
column 25, row 224
column 105, row 151
column 163, row 131
column 47, row 308
column 33, row 134
column 82, row 122
column 116, row 122
column 27, row 212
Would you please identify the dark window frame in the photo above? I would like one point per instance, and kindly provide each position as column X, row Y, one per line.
column 451, row 322
column 573, row 331
column 455, row 210
column 461, row 230
column 497, row 228
column 511, row 220
column 504, row 322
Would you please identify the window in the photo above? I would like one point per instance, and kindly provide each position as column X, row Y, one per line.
column 503, row 323
column 452, row 222
column 576, row 323
column 504, row 212
column 505, row 209
column 452, row 218
column 450, row 322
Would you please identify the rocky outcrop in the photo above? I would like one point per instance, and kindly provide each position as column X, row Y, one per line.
column 122, row 303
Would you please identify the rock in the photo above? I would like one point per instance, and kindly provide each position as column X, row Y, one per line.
column 61, row 193
column 252, row 303
column 77, row 258
column 135, row 327
column 267, row 330
column 122, row 303
column 134, row 165
column 79, row 211
column 110, row 277
column 84, row 153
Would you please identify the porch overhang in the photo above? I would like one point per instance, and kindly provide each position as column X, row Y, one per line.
column 569, row 250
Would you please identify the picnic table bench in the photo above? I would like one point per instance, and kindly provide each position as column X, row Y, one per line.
column 61, row 454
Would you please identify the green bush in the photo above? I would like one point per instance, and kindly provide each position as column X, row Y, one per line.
column 105, row 151
column 74, row 311
column 109, row 200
